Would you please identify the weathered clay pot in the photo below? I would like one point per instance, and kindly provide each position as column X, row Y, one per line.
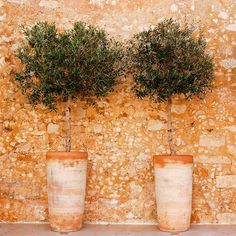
column 173, row 187
column 66, row 180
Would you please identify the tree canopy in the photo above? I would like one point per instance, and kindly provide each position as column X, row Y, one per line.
column 81, row 62
column 169, row 60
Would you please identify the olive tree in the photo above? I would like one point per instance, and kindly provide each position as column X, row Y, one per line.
column 169, row 60
column 61, row 66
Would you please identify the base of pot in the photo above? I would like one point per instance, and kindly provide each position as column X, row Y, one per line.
column 173, row 230
column 67, row 231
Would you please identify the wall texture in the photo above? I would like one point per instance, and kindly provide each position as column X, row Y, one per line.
column 120, row 132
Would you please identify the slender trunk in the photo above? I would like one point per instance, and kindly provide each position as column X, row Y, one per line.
column 170, row 128
column 68, row 126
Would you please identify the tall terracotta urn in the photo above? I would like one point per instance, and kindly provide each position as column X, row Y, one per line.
column 173, row 187
column 66, row 181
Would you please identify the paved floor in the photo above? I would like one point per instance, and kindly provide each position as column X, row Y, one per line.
column 115, row 230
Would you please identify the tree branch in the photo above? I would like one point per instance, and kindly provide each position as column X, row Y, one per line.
column 170, row 128
column 68, row 125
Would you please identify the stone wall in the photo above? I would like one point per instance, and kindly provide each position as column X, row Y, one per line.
column 121, row 133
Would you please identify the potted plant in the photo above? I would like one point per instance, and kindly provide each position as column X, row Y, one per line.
column 61, row 67
column 169, row 60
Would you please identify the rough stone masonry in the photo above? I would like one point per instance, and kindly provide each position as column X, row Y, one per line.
column 121, row 133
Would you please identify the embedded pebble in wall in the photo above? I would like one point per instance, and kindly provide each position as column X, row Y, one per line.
column 49, row 4
column 212, row 160
column 174, row 8
column 229, row 63
column 18, row 1
column 2, row 61
column 231, row 27
column 2, row 17
column 226, row 218
column 154, row 125
column 231, row 128
column 98, row 129
column 52, row 128
column 232, row 150
column 223, row 15
column 211, row 140
column 211, row 122
column 178, row 109
column 227, row 181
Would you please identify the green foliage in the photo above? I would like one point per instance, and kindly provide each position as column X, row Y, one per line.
column 82, row 62
column 169, row 60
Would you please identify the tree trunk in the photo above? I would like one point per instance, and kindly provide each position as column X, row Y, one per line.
column 68, row 125
column 170, row 129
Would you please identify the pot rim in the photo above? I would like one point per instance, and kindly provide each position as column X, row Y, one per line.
column 162, row 159
column 62, row 155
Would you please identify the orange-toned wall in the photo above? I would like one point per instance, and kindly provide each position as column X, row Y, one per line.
column 120, row 132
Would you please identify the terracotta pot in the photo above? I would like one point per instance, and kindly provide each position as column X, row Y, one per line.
column 66, row 180
column 173, row 187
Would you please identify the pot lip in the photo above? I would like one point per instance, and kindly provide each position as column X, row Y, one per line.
column 62, row 155
column 170, row 156
column 73, row 151
column 161, row 159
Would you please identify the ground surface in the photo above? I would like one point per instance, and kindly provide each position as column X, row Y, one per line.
column 115, row 230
